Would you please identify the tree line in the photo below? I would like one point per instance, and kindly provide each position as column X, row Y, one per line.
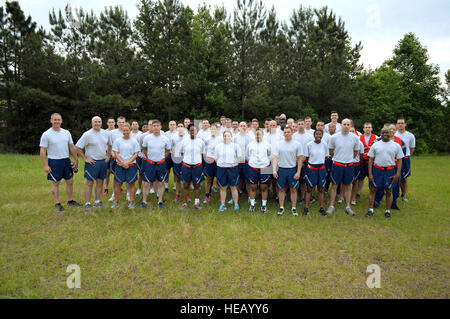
column 173, row 62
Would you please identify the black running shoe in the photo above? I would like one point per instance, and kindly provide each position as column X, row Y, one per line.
column 73, row 203
column 59, row 207
column 387, row 215
column 251, row 209
column 322, row 211
column 369, row 214
column 305, row 211
column 263, row 209
column 394, row 206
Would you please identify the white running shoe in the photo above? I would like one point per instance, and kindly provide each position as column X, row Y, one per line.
column 353, row 202
column 230, row 201
column 139, row 192
column 112, row 197
column 350, row 212
column 340, row 201
column 330, row 210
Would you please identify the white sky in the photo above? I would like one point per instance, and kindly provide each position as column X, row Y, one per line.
column 378, row 24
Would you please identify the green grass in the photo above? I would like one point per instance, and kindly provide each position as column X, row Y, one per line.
column 206, row 254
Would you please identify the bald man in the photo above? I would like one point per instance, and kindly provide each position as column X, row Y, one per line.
column 96, row 144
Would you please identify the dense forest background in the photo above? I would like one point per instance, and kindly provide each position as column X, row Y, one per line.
column 173, row 61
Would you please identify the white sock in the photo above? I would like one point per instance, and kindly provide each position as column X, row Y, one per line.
column 281, row 207
column 166, row 185
column 371, row 210
column 347, row 207
column 331, row 206
column 252, row 202
column 197, row 201
column 264, row 202
column 97, row 201
column 388, row 211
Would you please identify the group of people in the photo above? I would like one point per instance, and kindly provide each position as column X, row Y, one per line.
column 286, row 158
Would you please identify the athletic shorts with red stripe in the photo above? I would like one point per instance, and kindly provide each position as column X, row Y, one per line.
column 316, row 175
column 154, row 171
column 342, row 174
column 192, row 173
column 382, row 178
column 255, row 176
column 129, row 175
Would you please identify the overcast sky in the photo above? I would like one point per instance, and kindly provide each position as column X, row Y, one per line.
column 378, row 24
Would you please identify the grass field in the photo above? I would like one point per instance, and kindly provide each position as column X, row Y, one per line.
column 206, row 254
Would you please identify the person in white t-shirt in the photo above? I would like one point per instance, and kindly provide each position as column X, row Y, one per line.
column 273, row 139
column 156, row 148
column 210, row 165
column 169, row 164
column 358, row 169
column 253, row 128
column 343, row 147
column 410, row 140
column 111, row 123
column 316, row 154
column 205, row 132
column 177, row 159
column 98, row 152
column 192, row 150
column 113, row 136
column 303, row 138
column 136, row 134
column 242, row 140
column 287, row 165
column 308, row 124
column 57, row 143
column 126, row 150
column 259, row 171
column 227, row 155
column 383, row 156
column 334, row 119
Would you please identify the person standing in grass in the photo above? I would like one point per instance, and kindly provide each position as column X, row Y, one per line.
column 56, row 144
column 227, row 156
column 259, row 172
column 303, row 138
column 383, row 156
column 343, row 148
column 287, row 165
column 113, row 136
column 169, row 164
column 357, row 172
column 98, row 152
column 395, row 187
column 111, row 126
column 242, row 140
column 316, row 154
column 410, row 141
column 210, row 169
column 156, row 148
column 192, row 150
column 175, row 143
column 125, row 150
column 136, row 134
column 368, row 138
